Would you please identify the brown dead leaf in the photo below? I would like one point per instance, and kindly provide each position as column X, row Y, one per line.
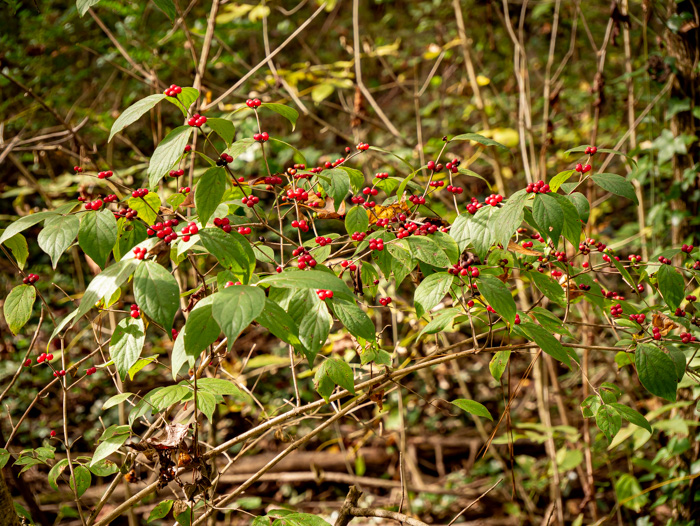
column 173, row 437
column 519, row 249
column 574, row 291
column 663, row 322
column 388, row 212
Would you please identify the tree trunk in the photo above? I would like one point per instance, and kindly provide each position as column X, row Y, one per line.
column 8, row 517
column 682, row 45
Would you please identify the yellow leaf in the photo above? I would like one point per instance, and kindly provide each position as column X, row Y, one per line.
column 482, row 80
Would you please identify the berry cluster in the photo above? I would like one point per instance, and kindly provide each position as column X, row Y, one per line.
column 176, row 173
column 250, row 201
column 583, row 168
column 591, row 150
column 680, row 313
column 490, row 309
column 139, row 253
column 687, row 248
column 189, row 230
column 261, row 137
column 30, row 279
column 94, row 205
column 376, row 244
column 358, row 236
column 616, row 310
column 231, row 284
column 382, row 175
column 184, row 190
column 127, row 213
column 324, row 294
column 664, row 260
column 91, row 370
column 686, row 337
column 656, row 333
column 639, row 318
column 432, row 165
column 164, row 230
column 357, row 199
column 584, row 287
column 437, row 184
column 362, row 146
column 244, row 230
column 527, row 244
column 224, row 159
column 197, row 120
column 493, row 199
column 474, row 206
column 173, row 90
column 453, row 165
column 298, row 194
column 691, row 298
column 464, row 270
column 135, row 311
column 385, row 301
column 333, row 164
column 323, row 241
column 275, row 179
column 304, row 258
column 417, row 200
column 540, row 187
column 105, row 175
column 43, row 357
column 253, row 103
column 77, row 169
column 60, row 373
column 223, row 223
column 370, row 191
column 634, row 258
column 454, row 189
column 141, row 192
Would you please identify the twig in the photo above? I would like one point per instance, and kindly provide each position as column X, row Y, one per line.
column 474, row 502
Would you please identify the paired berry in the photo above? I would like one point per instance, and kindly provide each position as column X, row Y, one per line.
column 139, row 253
column 224, row 159
column 223, row 223
column 253, row 103
column 680, row 313
column 177, row 173
column 244, row 230
column 135, row 311
column 105, row 175
column 91, row 370
column 385, row 301
column 94, row 205
column 141, row 192
column 591, row 150
column 687, row 248
column 184, row 190
column 517, row 319
column 363, row 146
column 656, row 333
column 324, row 294
column 261, row 137
column 77, row 169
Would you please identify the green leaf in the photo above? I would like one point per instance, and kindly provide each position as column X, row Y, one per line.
column 475, row 137
column 84, row 5
column 426, row 250
column 508, row 218
column 97, row 235
column 322, row 91
column 616, row 184
column 498, row 364
column 314, row 328
column 448, row 245
column 288, row 113
column 474, row 230
column 163, row 397
column 608, row 421
column 206, row 403
column 232, row 250
column 470, row 173
column 280, row 324
column 115, row 400
column 24, row 223
column 632, row 416
column 239, row 147
column 209, row 191
column 549, row 216
column 83, row 478
column 104, row 468
column 333, row 372
column 302, row 519
column 354, row 318
column 18, row 307
column 473, row 408
column 224, row 128
column 309, row 279
column 656, row 371
column 549, row 287
column 4, row 457
column 200, row 330
column 572, row 220
column 136, row 110
column 356, row 220
column 186, row 97
column 157, row 293
column 583, row 207
column 431, row 291
column 336, row 183
column 545, row 340
column 671, row 286
column 109, row 446
column 560, row 179
column 219, row 386
column 20, row 250
column 440, row 321
column 550, row 322
column 147, row 206
column 56, row 471
column 298, row 156
column 357, row 178
column 166, row 154
column 629, row 493
column 126, row 344
column 168, row 7
column 160, row 511
column 58, row 234
column 498, row 296
column 235, row 308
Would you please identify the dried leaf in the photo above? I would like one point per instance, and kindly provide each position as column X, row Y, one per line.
column 174, row 435
column 663, row 322
column 388, row 212
column 519, row 249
